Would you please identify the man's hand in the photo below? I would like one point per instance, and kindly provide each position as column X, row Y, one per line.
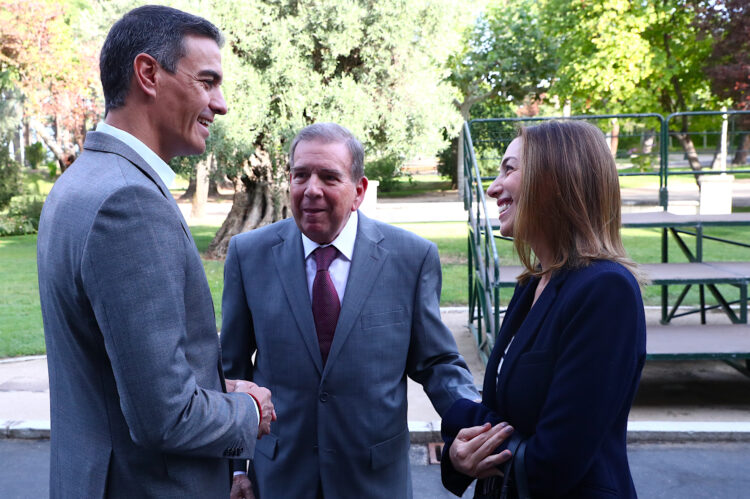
column 472, row 451
column 263, row 396
column 241, row 487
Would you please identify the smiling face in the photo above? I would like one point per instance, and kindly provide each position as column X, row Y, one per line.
column 507, row 186
column 188, row 100
column 322, row 189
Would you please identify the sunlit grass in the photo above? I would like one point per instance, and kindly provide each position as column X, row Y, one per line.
column 21, row 330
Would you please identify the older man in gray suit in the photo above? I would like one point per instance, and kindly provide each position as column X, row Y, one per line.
column 338, row 309
column 136, row 386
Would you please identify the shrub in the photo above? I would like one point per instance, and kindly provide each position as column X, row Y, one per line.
column 28, row 207
column 35, row 154
column 10, row 177
column 385, row 170
column 447, row 159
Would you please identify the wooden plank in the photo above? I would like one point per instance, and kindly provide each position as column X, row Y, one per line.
column 667, row 219
column 668, row 273
column 694, row 273
column 739, row 268
column 696, row 341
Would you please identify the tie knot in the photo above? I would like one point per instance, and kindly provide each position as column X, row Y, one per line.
column 324, row 256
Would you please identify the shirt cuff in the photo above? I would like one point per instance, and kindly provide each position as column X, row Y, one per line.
column 239, row 473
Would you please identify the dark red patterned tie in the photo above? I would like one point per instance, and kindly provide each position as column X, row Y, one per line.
column 325, row 301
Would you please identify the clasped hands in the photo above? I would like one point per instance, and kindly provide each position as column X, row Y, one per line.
column 472, row 452
column 262, row 395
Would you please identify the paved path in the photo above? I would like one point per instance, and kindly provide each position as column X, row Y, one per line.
column 665, row 471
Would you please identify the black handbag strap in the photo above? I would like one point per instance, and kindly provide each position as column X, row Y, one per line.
column 513, row 444
column 522, row 481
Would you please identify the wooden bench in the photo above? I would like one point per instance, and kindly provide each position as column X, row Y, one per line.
column 685, row 274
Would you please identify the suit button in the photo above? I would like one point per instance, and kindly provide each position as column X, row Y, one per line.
column 324, row 397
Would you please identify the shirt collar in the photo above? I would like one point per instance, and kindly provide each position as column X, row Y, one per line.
column 154, row 161
column 344, row 242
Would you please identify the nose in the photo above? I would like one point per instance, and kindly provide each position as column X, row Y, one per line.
column 495, row 187
column 313, row 187
column 217, row 104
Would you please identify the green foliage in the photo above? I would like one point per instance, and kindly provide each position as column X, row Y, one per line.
column 385, row 170
column 372, row 66
column 35, row 154
column 506, row 55
column 10, row 177
column 447, row 162
column 617, row 56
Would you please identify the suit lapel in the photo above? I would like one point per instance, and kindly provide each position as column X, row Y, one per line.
column 290, row 265
column 367, row 260
column 530, row 326
column 100, row 141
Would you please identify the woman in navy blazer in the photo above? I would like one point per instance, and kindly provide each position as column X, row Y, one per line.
column 568, row 357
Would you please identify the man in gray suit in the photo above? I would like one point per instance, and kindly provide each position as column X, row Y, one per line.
column 335, row 332
column 136, row 387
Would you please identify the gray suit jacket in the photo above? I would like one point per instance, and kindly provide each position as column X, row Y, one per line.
column 137, row 408
column 343, row 425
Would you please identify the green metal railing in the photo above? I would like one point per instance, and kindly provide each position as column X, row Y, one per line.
column 493, row 135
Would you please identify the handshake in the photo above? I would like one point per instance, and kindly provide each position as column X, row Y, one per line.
column 262, row 396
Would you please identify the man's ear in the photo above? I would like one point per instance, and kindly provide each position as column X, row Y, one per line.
column 145, row 69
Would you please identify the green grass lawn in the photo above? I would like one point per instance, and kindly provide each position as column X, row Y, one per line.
column 415, row 185
column 20, row 317
column 21, row 323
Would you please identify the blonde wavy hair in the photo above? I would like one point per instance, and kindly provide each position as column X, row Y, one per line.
column 570, row 199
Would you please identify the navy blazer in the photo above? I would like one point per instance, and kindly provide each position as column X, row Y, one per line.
column 567, row 382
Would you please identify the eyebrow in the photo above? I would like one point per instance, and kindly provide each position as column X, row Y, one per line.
column 213, row 74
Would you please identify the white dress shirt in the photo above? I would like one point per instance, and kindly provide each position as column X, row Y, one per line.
column 162, row 169
column 339, row 268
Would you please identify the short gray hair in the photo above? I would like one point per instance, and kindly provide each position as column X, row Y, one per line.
column 332, row 132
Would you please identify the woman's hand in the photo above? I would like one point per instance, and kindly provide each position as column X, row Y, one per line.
column 472, row 451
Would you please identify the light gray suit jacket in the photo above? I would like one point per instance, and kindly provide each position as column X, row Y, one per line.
column 343, row 425
column 137, row 408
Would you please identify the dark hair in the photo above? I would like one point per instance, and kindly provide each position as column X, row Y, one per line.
column 570, row 198
column 332, row 132
column 154, row 30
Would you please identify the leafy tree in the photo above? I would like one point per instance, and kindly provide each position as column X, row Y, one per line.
column 616, row 56
column 727, row 23
column 372, row 66
column 55, row 71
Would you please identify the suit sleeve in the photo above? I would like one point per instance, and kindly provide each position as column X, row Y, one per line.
column 434, row 361
column 237, row 334
column 601, row 352
column 134, row 274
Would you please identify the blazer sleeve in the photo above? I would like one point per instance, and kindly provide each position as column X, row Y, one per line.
column 434, row 361
column 134, row 273
column 601, row 353
column 237, row 333
column 463, row 413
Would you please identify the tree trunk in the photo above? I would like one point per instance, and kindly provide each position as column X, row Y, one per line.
column 261, row 195
column 614, row 138
column 200, row 197
column 740, row 157
column 253, row 205
column 18, row 149
column 190, row 191
column 213, row 187
column 692, row 156
column 65, row 155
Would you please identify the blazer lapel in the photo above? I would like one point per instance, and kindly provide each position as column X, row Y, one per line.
column 367, row 260
column 514, row 316
column 290, row 265
column 530, row 326
column 100, row 141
